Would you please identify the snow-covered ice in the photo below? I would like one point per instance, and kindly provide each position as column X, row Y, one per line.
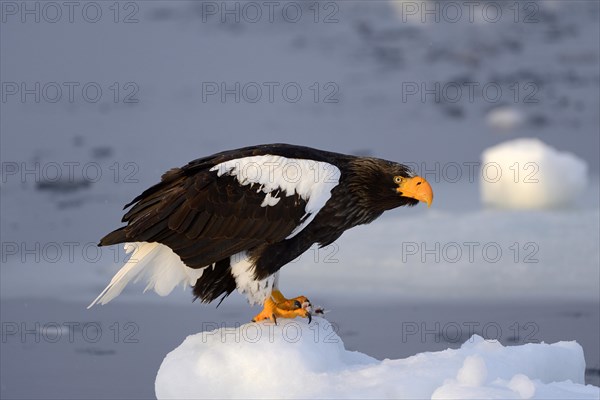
column 296, row 360
column 505, row 118
column 528, row 174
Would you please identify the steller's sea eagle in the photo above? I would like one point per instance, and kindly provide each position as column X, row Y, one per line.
column 232, row 220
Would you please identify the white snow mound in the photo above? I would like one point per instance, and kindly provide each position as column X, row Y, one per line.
column 296, row 360
column 528, row 174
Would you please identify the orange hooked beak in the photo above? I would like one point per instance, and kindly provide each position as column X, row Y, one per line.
column 417, row 188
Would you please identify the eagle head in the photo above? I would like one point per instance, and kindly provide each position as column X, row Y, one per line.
column 383, row 185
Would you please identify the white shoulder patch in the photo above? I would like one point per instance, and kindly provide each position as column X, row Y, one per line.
column 270, row 200
column 312, row 180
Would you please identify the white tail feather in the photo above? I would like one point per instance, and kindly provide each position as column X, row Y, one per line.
column 154, row 262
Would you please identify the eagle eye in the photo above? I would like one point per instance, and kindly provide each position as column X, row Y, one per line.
column 397, row 179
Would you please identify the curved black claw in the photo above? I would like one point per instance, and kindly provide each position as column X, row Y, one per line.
column 309, row 317
column 274, row 318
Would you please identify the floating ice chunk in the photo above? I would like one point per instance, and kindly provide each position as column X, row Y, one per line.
column 528, row 174
column 296, row 360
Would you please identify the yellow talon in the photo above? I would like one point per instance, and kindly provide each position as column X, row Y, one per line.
column 277, row 306
column 278, row 296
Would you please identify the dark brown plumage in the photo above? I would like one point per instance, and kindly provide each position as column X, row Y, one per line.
column 207, row 218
